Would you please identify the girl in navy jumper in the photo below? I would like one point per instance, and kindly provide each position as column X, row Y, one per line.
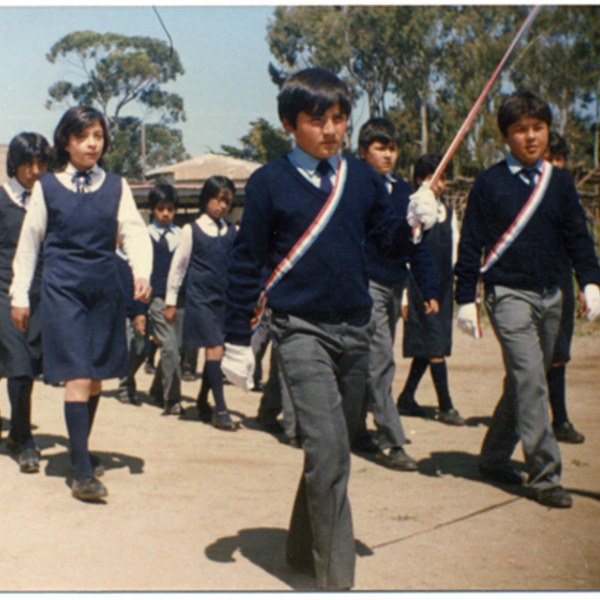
column 204, row 250
column 77, row 210
column 20, row 354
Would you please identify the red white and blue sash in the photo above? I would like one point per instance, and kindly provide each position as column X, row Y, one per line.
column 306, row 241
column 511, row 234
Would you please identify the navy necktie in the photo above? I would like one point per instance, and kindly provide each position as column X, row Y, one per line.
column 82, row 179
column 24, row 196
column 530, row 174
column 162, row 240
column 323, row 169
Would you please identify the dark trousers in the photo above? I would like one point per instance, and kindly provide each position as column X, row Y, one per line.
column 325, row 367
column 526, row 325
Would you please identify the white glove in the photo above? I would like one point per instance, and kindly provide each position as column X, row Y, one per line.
column 466, row 319
column 592, row 299
column 423, row 208
column 238, row 366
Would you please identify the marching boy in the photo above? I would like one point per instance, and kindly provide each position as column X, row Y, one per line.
column 315, row 208
column 520, row 212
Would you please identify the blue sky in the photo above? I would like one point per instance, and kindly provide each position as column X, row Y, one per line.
column 223, row 51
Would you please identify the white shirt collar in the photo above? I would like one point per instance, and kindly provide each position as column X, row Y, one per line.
column 15, row 191
column 303, row 160
column 516, row 167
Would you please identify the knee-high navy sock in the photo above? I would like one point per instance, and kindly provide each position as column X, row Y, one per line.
column 556, row 391
column 92, row 408
column 439, row 374
column 78, row 426
column 19, row 394
column 215, row 379
column 417, row 368
column 205, row 387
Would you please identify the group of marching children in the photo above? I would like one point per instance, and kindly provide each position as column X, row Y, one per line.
column 329, row 248
column 82, row 277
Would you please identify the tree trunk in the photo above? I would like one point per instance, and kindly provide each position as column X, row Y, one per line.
column 424, row 134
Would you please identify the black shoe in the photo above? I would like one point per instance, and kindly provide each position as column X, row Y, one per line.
column 129, row 398
column 556, row 497
column 365, row 444
column 273, row 426
column 205, row 412
column 396, row 459
column 96, row 465
column 568, row 434
column 173, row 408
column 451, row 417
column 503, row 474
column 222, row 420
column 408, row 407
column 29, row 461
column 188, row 376
column 89, row 488
column 149, row 368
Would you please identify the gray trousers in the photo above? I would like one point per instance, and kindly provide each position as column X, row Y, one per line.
column 386, row 312
column 325, row 367
column 526, row 325
column 137, row 346
column 167, row 380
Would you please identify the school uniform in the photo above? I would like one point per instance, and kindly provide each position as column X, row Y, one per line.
column 203, row 254
column 430, row 336
column 167, row 379
column 388, row 279
column 523, row 302
column 20, row 353
column 83, row 308
column 321, row 329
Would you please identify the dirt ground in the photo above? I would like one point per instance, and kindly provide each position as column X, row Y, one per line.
column 193, row 508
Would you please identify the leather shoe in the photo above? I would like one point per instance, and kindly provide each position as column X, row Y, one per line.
column 29, row 461
column 88, row 488
column 451, row 417
column 408, row 407
column 396, row 459
column 503, row 474
column 172, row 408
column 222, row 420
column 555, row 497
column 568, row 434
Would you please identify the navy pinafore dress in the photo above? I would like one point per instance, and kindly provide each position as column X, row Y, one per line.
column 20, row 353
column 83, row 303
column 206, row 284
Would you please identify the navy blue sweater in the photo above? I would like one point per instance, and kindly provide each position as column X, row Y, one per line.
column 532, row 261
column 388, row 269
column 330, row 282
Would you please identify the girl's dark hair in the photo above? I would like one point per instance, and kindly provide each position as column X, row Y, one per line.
column 212, row 188
column 23, row 148
column 162, row 192
column 519, row 104
column 425, row 166
column 73, row 122
column 313, row 91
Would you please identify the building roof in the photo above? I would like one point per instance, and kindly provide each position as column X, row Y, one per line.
column 198, row 170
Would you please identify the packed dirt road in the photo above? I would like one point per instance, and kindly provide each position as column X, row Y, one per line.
column 194, row 508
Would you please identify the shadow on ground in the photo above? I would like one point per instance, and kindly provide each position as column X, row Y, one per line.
column 265, row 547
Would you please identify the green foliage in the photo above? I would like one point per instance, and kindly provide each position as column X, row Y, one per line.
column 115, row 71
column 262, row 144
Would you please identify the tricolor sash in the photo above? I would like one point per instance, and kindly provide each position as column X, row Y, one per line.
column 511, row 234
column 306, row 241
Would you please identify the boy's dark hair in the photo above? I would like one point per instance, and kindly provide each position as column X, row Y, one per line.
column 313, row 91
column 73, row 122
column 521, row 104
column 377, row 130
column 212, row 188
column 162, row 192
column 23, row 148
column 425, row 166
column 557, row 145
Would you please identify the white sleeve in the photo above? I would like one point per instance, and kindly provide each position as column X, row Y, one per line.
column 455, row 237
column 134, row 235
column 33, row 232
column 179, row 265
